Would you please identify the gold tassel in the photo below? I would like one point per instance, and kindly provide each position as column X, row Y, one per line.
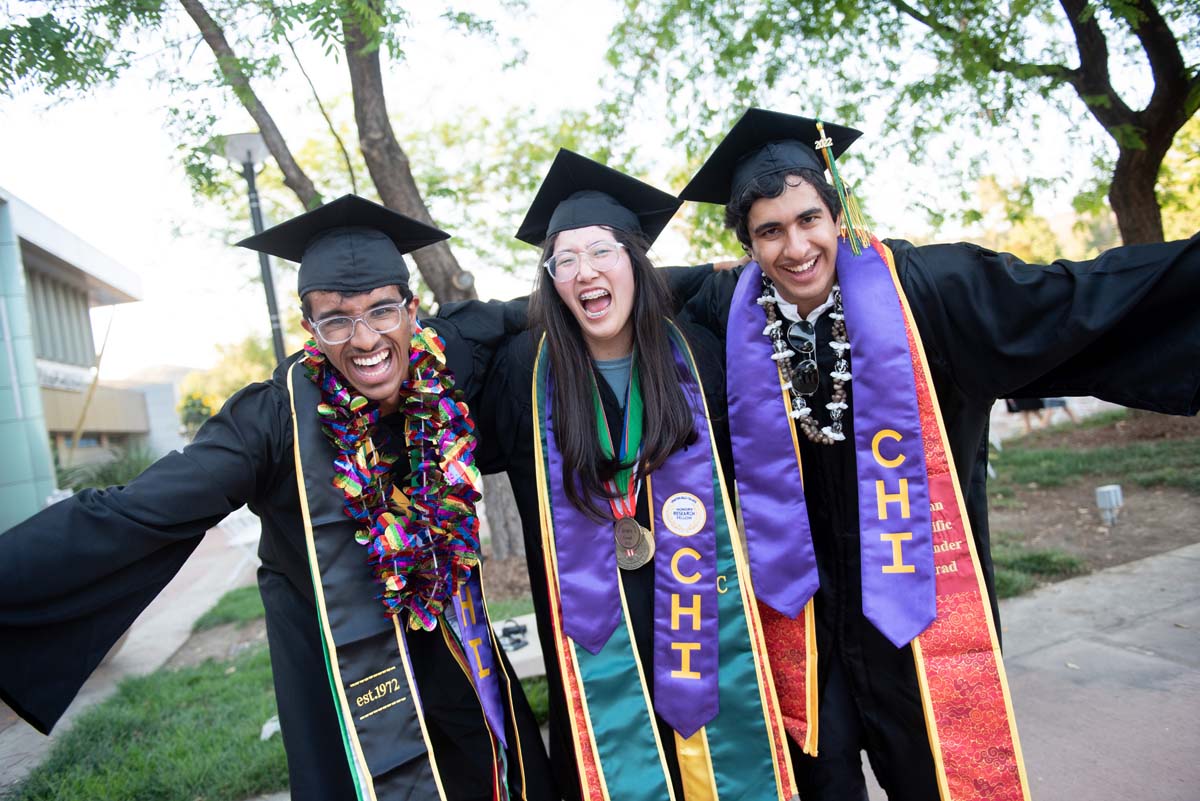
column 854, row 223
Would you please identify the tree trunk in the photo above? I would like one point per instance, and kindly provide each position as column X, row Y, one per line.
column 504, row 522
column 227, row 61
column 1133, row 199
column 389, row 166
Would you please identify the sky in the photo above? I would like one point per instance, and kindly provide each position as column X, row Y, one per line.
column 104, row 166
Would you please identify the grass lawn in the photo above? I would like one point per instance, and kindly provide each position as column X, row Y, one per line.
column 236, row 606
column 170, row 736
column 1032, row 462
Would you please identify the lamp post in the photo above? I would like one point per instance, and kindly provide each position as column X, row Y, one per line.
column 246, row 150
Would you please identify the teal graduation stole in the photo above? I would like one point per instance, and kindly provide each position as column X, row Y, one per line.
column 729, row 738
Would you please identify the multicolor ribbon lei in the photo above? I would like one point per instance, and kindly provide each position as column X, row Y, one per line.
column 422, row 534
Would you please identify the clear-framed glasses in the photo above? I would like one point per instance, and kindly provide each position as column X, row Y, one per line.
column 380, row 319
column 603, row 256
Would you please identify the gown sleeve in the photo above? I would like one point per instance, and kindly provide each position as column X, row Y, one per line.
column 474, row 330
column 76, row 575
column 1124, row 327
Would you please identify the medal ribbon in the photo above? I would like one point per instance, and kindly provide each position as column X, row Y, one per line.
column 624, row 502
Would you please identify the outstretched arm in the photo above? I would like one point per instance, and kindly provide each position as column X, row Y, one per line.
column 75, row 576
column 1124, row 326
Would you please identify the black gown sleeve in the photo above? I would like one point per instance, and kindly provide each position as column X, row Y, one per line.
column 75, row 576
column 708, row 306
column 473, row 331
column 1124, row 326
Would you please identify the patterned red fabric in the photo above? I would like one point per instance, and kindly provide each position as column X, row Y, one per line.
column 787, row 648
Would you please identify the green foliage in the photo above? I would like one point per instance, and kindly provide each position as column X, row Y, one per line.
column 194, row 409
column 125, row 466
column 1178, row 186
column 71, row 47
column 242, row 363
column 171, row 736
column 916, row 68
column 236, row 606
column 537, row 690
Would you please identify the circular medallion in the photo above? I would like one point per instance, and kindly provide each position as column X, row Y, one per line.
column 627, row 532
column 684, row 514
column 640, row 554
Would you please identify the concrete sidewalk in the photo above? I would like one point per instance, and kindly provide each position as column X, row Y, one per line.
column 1104, row 672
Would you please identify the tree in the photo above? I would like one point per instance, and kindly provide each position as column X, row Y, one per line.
column 67, row 49
column 924, row 65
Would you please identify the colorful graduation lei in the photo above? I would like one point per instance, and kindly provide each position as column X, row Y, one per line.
column 422, row 533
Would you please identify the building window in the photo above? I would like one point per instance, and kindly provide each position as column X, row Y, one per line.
column 62, row 326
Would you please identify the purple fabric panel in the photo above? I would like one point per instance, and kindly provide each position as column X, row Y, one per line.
column 481, row 659
column 782, row 562
column 899, row 595
column 587, row 561
column 686, row 699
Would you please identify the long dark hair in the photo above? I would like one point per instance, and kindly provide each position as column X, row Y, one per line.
column 667, row 424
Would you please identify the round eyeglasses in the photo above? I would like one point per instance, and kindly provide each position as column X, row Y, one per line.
column 603, row 256
column 380, row 319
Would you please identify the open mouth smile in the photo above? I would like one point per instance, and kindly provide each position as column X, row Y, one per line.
column 595, row 302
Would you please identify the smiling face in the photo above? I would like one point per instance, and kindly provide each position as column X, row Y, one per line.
column 794, row 239
column 601, row 302
column 375, row 364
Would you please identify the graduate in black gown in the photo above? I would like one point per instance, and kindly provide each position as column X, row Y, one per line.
column 321, row 590
column 1124, row 327
column 601, row 360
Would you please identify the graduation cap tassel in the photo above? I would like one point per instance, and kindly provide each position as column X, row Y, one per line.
column 852, row 214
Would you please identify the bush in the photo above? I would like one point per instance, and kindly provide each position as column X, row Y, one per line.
column 126, row 465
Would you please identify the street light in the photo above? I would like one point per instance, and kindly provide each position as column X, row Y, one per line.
column 246, row 150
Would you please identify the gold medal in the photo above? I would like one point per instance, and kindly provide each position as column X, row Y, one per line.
column 634, row 544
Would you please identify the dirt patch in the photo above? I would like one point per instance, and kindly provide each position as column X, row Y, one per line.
column 220, row 643
column 506, row 579
column 1136, row 426
column 1065, row 518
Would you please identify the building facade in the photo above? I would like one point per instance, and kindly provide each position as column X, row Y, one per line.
column 49, row 281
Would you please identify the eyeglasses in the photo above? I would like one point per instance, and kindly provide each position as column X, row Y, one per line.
column 380, row 319
column 603, row 256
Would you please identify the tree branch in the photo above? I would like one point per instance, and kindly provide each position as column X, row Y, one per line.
column 231, row 70
column 1091, row 80
column 388, row 164
column 1162, row 49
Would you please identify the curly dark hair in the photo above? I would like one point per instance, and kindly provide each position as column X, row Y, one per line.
column 737, row 211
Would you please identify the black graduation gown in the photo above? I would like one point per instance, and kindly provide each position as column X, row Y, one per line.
column 505, row 419
column 124, row 544
column 1124, row 327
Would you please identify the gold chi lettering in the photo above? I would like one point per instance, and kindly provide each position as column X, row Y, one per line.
column 482, row 672
column 685, row 658
column 677, row 611
column 897, row 565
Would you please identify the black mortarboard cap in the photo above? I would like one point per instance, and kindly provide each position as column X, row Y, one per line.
column 347, row 245
column 761, row 143
column 578, row 192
